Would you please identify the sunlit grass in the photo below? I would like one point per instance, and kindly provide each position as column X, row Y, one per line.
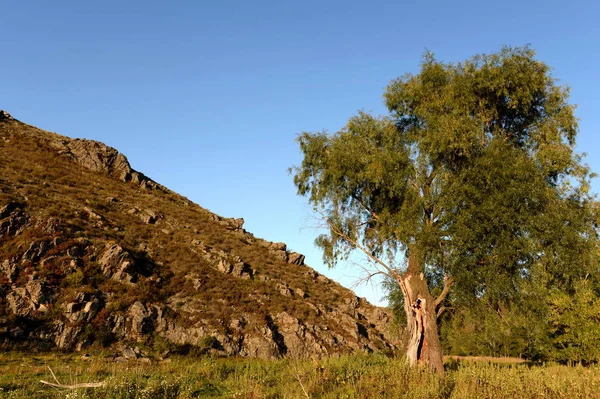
column 355, row 376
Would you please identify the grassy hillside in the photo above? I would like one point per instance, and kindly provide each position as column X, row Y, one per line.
column 94, row 252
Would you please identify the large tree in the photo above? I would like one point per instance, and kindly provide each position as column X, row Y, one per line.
column 457, row 189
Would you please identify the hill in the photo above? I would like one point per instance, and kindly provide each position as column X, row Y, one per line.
column 93, row 252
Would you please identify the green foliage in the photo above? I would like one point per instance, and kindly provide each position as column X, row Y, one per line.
column 574, row 320
column 556, row 324
column 484, row 330
column 75, row 279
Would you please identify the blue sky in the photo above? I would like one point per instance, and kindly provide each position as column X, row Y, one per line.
column 207, row 97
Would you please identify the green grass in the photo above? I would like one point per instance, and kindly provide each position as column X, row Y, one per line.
column 355, row 376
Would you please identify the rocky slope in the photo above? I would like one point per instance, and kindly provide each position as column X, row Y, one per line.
column 94, row 253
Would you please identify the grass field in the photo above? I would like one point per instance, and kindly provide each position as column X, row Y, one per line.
column 356, row 376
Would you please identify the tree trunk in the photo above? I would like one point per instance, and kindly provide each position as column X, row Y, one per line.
column 423, row 346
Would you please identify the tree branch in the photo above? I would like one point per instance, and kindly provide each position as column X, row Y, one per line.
column 415, row 186
column 448, row 283
column 441, row 311
column 368, row 275
column 357, row 199
column 389, row 270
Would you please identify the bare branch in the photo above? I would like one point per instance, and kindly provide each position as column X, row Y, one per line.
column 448, row 283
column 76, row 386
column 53, row 375
column 389, row 270
column 368, row 276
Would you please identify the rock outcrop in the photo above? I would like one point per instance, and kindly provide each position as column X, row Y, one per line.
column 116, row 263
column 5, row 116
column 99, row 157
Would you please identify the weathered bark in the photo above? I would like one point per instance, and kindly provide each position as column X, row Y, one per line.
column 423, row 346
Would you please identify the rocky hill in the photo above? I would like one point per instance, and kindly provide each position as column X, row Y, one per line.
column 94, row 253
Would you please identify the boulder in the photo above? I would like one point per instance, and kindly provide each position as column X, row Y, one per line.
column 260, row 344
column 118, row 264
column 99, row 157
column 7, row 209
column 34, row 296
column 18, row 302
column 91, row 214
column 142, row 320
column 242, row 270
column 224, row 266
column 300, row 340
column 13, row 223
column 10, row 269
column 98, row 220
column 66, row 334
column 5, row 116
column 296, row 259
column 83, row 309
column 277, row 246
column 229, row 223
column 150, row 216
column 279, row 254
column 38, row 292
column 36, row 250
column 285, row 290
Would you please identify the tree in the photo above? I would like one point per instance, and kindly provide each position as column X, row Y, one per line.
column 574, row 320
column 455, row 189
column 554, row 314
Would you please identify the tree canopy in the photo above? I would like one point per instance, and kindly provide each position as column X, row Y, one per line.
column 473, row 173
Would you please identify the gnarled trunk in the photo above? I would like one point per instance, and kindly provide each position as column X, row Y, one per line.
column 423, row 346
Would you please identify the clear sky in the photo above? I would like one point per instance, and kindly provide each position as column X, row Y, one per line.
column 207, row 97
